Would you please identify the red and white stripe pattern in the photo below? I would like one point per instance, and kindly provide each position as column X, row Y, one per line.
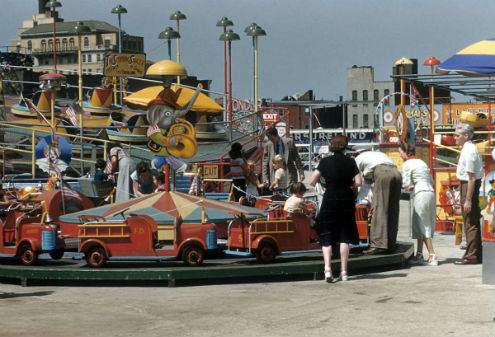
column 71, row 113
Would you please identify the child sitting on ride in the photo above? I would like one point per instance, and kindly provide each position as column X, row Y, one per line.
column 100, row 175
column 159, row 181
column 295, row 203
column 279, row 184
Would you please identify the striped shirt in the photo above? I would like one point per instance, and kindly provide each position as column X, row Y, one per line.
column 237, row 168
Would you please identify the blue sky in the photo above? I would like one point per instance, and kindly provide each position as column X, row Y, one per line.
column 309, row 43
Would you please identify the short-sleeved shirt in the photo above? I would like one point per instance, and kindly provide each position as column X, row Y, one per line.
column 469, row 161
column 237, row 168
column 338, row 171
column 294, row 203
column 367, row 161
column 145, row 186
column 282, row 179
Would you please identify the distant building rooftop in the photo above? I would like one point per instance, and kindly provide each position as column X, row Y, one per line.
column 64, row 27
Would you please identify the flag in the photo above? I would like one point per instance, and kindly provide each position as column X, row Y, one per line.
column 194, row 185
column 71, row 113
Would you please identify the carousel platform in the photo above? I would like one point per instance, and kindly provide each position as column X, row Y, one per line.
column 306, row 266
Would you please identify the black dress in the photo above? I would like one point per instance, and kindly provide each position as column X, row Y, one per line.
column 336, row 219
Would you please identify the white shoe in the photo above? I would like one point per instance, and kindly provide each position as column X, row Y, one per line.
column 433, row 262
column 328, row 277
column 417, row 260
column 343, row 276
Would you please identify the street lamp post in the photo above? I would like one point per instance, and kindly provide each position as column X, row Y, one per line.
column 169, row 33
column 79, row 29
column 119, row 9
column 254, row 30
column 53, row 4
column 178, row 16
column 224, row 22
column 230, row 36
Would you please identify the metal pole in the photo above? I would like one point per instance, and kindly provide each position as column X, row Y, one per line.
column 230, row 89
column 33, row 153
column 80, row 81
column 310, row 137
column 178, row 50
column 54, row 43
column 120, row 52
column 255, row 47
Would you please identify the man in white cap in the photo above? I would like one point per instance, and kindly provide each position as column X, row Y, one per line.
column 470, row 172
column 379, row 169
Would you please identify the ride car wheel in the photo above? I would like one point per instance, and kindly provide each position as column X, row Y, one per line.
column 57, row 254
column 266, row 253
column 28, row 255
column 193, row 256
column 96, row 257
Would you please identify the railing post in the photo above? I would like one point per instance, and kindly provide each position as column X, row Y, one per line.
column 33, row 152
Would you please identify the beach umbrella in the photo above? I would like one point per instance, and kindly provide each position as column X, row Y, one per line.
column 164, row 207
column 141, row 98
column 477, row 59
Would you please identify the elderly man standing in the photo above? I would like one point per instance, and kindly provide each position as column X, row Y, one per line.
column 469, row 172
column 286, row 148
column 379, row 169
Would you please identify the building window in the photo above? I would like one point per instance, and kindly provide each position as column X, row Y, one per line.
column 365, row 96
column 354, row 96
column 89, row 71
column 376, row 97
column 57, row 44
column 86, row 42
column 50, row 44
column 89, row 58
column 98, row 58
column 354, row 121
column 71, row 43
column 365, row 121
column 43, row 45
column 29, row 46
column 107, row 43
column 386, row 92
column 84, row 58
column 64, row 44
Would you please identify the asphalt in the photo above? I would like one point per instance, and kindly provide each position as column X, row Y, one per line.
column 447, row 300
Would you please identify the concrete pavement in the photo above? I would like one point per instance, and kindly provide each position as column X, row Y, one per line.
column 447, row 300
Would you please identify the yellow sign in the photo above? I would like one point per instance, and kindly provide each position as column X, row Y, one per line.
column 122, row 65
column 210, row 171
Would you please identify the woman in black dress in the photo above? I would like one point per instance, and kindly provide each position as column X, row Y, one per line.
column 336, row 218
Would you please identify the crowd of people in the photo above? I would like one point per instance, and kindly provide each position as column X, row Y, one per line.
column 341, row 177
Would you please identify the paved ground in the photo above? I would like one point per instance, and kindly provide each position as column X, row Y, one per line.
column 447, row 300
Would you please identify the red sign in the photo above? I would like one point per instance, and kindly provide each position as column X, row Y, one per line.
column 270, row 116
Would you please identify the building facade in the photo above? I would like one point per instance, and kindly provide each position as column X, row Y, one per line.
column 364, row 94
column 35, row 37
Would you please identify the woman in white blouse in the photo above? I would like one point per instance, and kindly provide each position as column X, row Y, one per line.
column 416, row 178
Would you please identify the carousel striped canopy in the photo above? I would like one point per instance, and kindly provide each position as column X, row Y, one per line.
column 164, row 207
column 477, row 59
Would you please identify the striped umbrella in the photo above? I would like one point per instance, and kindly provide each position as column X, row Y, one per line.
column 477, row 59
column 164, row 207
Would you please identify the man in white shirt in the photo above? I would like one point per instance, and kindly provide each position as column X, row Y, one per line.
column 469, row 172
column 379, row 169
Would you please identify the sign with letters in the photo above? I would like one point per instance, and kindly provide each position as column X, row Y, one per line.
column 124, row 65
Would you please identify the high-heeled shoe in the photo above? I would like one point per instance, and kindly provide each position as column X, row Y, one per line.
column 343, row 276
column 328, row 276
